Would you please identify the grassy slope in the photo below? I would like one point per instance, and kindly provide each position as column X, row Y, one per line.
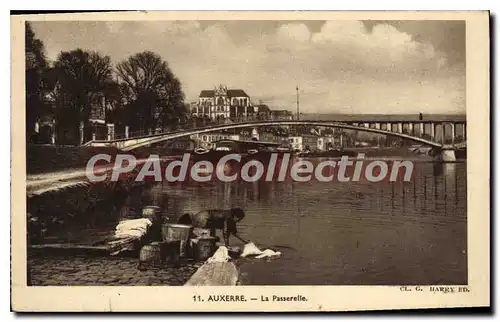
column 45, row 158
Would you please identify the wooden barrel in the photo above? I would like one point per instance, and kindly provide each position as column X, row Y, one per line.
column 171, row 250
column 150, row 256
column 204, row 248
column 172, row 232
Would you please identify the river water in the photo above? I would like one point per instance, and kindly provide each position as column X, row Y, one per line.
column 337, row 233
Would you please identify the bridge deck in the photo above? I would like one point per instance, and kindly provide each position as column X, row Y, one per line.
column 135, row 142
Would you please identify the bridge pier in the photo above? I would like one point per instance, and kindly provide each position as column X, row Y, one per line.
column 448, row 156
column 443, row 155
column 453, row 130
column 255, row 134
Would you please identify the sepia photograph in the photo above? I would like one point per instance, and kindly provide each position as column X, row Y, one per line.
column 271, row 154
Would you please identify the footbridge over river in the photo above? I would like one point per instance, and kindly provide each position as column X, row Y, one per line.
column 420, row 132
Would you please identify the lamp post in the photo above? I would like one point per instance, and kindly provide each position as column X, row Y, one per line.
column 297, row 89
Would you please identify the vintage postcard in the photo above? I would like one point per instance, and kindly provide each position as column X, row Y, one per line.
column 250, row 161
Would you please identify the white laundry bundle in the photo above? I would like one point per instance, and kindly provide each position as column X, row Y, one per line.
column 132, row 228
column 220, row 256
column 268, row 253
column 251, row 250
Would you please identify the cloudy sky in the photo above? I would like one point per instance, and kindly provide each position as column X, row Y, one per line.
column 386, row 67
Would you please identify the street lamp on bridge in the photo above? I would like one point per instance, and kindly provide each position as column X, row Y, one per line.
column 297, row 89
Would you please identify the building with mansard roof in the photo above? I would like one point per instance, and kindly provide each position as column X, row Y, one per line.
column 222, row 102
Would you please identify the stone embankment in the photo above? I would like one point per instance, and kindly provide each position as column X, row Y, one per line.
column 103, row 271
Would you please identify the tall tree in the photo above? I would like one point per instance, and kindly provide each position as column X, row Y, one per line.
column 83, row 79
column 152, row 94
column 36, row 66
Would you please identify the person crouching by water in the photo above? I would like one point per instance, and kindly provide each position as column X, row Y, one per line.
column 213, row 219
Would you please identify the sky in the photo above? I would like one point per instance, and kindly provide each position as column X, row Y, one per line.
column 358, row 67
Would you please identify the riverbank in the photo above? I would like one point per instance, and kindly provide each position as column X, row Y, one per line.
column 41, row 159
column 50, row 158
column 86, row 217
column 41, row 183
column 103, row 271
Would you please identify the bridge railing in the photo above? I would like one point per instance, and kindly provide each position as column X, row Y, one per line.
column 204, row 123
column 181, row 127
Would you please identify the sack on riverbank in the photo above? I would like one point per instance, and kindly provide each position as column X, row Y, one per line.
column 220, row 256
column 133, row 228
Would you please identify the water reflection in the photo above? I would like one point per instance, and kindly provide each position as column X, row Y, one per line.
column 343, row 233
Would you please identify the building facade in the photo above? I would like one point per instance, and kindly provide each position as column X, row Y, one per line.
column 183, row 144
column 206, row 140
column 222, row 103
column 303, row 142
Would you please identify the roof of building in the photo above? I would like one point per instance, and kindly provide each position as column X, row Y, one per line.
column 263, row 108
column 282, row 112
column 230, row 93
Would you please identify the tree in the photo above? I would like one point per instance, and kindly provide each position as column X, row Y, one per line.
column 83, row 79
column 152, row 94
column 36, row 87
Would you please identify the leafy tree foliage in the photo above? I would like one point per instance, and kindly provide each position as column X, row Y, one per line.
column 80, row 82
column 83, row 81
column 152, row 95
column 36, row 86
